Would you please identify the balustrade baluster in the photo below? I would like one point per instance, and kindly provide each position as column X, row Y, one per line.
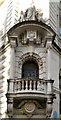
column 42, row 86
column 45, row 87
column 15, row 86
column 30, row 86
column 22, row 85
column 34, row 85
column 38, row 85
column 26, row 85
column 19, row 85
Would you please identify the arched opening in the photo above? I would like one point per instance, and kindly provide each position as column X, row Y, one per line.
column 30, row 69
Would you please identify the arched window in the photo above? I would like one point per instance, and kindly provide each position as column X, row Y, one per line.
column 30, row 69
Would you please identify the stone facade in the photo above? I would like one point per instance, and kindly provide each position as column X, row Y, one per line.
column 34, row 69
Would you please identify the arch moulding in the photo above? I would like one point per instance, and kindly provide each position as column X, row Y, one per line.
column 30, row 55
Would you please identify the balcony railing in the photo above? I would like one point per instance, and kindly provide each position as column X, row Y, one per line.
column 30, row 85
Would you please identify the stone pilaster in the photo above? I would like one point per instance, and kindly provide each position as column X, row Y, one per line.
column 48, row 61
column 49, row 108
column 12, row 59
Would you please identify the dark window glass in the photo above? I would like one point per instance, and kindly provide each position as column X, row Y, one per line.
column 30, row 69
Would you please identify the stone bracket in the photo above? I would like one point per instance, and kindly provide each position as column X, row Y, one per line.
column 13, row 41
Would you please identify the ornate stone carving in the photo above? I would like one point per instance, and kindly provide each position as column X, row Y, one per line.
column 29, row 107
column 39, row 15
column 31, row 35
column 31, row 14
column 31, row 55
column 21, row 16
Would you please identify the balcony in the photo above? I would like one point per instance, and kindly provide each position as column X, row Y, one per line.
column 29, row 88
column 23, row 90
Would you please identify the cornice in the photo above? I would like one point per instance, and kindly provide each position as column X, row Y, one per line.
column 32, row 22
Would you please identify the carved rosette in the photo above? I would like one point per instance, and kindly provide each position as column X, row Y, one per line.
column 29, row 107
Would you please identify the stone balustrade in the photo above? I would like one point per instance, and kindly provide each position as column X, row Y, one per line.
column 30, row 85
